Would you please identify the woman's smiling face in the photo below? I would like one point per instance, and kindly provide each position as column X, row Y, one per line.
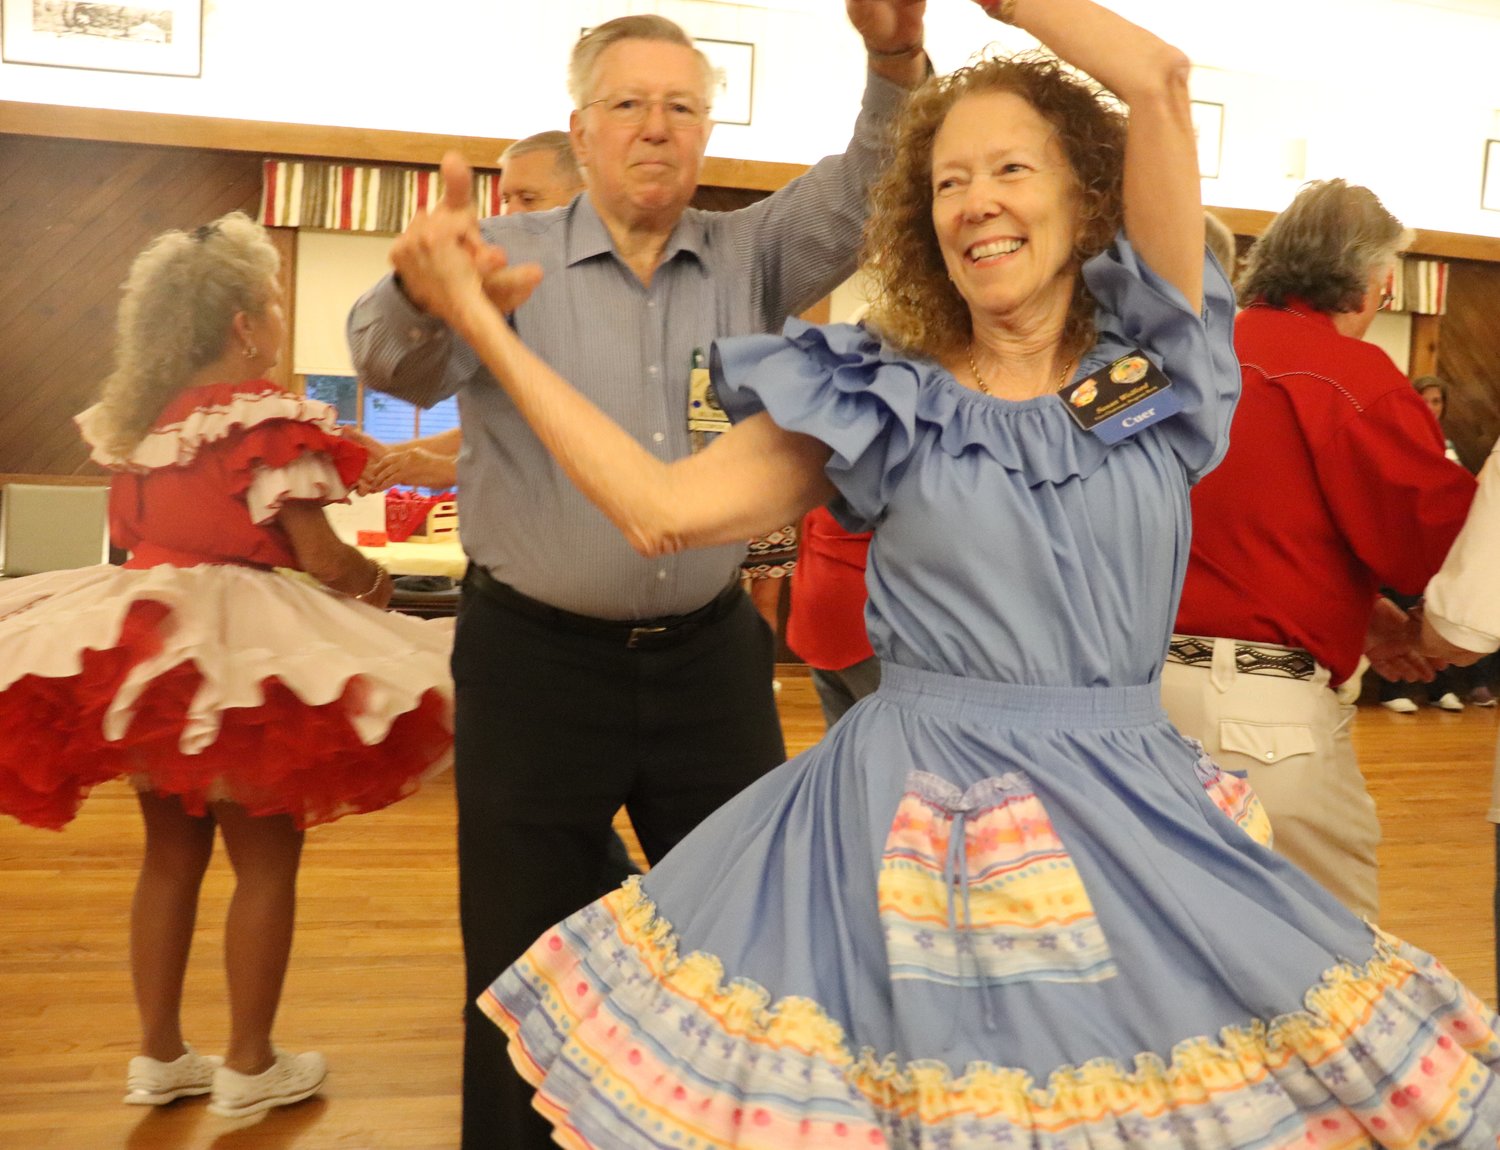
column 1005, row 207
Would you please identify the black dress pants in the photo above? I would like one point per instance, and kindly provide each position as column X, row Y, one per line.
column 555, row 730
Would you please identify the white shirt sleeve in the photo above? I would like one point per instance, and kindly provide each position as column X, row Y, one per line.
column 1463, row 598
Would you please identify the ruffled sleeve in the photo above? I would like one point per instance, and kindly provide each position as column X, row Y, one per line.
column 306, row 461
column 312, row 478
column 873, row 407
column 835, row 384
column 266, row 444
column 1137, row 308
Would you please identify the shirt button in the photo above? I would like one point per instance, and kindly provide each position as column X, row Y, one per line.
column 1270, row 754
column 416, row 335
column 654, row 370
column 650, row 303
column 661, row 574
column 657, row 437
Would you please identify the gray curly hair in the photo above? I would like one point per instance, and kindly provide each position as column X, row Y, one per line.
column 181, row 296
column 1323, row 248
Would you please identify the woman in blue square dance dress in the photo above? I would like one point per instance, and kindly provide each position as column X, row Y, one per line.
column 1003, row 903
column 236, row 699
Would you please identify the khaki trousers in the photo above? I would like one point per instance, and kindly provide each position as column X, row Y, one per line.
column 1291, row 738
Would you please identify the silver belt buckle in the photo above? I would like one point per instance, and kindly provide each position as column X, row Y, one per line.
column 639, row 633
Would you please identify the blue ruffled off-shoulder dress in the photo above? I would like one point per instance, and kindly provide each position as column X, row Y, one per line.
column 1003, row 903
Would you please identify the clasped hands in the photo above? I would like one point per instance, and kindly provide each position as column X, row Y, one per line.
column 1404, row 646
column 444, row 262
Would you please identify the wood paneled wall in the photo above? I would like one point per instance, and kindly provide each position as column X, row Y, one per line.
column 75, row 211
column 1469, row 358
column 73, row 214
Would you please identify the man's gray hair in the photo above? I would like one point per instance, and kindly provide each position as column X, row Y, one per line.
column 1220, row 241
column 1323, row 248
column 558, row 142
column 591, row 45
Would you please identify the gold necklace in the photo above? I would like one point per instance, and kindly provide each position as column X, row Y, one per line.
column 1062, row 378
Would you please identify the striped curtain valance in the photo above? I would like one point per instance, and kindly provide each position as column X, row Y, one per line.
column 353, row 198
column 1420, row 286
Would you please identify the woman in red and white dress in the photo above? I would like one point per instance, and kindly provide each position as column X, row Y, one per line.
column 234, row 694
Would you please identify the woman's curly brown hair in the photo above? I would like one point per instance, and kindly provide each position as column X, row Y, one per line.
column 913, row 302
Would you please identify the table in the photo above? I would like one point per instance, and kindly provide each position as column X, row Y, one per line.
column 420, row 558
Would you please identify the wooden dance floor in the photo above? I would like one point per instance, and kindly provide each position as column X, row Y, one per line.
column 376, row 978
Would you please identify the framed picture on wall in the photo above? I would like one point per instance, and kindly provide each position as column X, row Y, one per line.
column 157, row 37
column 1208, row 128
column 1489, row 188
column 734, row 79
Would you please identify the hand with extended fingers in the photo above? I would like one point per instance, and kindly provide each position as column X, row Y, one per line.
column 443, row 260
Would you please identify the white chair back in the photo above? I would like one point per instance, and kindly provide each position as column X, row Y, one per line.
column 52, row 527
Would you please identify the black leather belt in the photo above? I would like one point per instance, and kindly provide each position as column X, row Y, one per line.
column 667, row 631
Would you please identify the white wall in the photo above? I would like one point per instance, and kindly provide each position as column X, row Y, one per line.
column 1397, row 94
column 333, row 270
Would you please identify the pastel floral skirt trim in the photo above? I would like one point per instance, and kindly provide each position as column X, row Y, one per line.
column 632, row 1046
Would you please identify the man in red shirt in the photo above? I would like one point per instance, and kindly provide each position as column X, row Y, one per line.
column 826, row 624
column 1335, row 485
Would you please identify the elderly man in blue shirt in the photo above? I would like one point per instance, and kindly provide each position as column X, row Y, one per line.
column 587, row 676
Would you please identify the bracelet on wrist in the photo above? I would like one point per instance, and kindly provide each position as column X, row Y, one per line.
column 897, row 54
column 1002, row 10
column 364, row 595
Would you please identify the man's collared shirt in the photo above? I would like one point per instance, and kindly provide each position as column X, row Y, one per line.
column 631, row 349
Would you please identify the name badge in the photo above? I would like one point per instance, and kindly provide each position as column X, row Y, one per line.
column 1117, row 401
column 704, row 412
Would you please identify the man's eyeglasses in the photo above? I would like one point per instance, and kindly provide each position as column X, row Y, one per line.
column 631, row 110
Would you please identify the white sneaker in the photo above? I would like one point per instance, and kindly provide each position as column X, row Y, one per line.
column 1402, row 706
column 291, row 1078
column 1449, row 702
column 150, row 1082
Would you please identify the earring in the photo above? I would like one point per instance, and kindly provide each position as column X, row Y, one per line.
column 250, row 351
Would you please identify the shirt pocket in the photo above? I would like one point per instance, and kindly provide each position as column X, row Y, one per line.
column 1266, row 743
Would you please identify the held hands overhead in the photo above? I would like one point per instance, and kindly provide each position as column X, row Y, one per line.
column 445, row 264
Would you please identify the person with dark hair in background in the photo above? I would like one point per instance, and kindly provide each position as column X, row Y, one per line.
column 1472, row 685
column 1335, row 485
column 586, row 675
column 1450, row 687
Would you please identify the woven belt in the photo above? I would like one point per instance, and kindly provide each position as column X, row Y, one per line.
column 667, row 631
column 1278, row 662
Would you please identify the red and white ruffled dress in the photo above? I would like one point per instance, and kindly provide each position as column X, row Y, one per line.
column 197, row 669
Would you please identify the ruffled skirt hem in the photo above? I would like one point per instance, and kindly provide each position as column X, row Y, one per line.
column 212, row 684
column 633, row 1048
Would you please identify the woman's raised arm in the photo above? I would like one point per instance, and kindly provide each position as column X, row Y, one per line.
column 1163, row 198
